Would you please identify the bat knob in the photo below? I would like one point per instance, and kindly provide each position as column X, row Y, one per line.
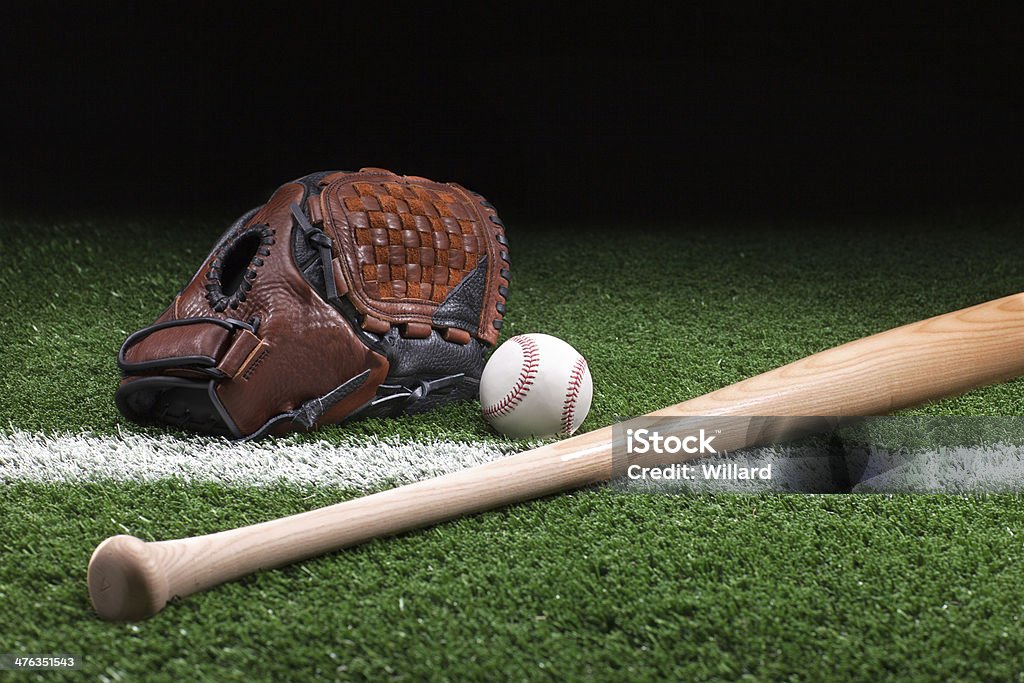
column 125, row 581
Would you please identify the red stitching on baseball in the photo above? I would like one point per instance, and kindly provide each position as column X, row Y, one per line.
column 527, row 373
column 572, row 394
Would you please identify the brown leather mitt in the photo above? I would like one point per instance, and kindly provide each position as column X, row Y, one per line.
column 346, row 294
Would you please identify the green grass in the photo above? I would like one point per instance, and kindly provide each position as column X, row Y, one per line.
column 585, row 584
column 589, row 584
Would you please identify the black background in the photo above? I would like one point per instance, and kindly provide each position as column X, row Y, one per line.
column 567, row 115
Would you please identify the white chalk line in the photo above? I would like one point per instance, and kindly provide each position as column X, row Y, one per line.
column 365, row 464
column 360, row 464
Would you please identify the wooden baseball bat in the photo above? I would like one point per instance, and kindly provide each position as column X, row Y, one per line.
column 942, row 356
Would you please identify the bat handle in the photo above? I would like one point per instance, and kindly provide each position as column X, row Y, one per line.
column 126, row 582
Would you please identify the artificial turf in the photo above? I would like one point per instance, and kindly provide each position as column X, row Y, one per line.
column 594, row 583
column 589, row 584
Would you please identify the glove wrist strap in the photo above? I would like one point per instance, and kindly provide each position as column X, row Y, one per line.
column 219, row 349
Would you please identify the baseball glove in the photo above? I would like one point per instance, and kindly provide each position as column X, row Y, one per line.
column 346, row 294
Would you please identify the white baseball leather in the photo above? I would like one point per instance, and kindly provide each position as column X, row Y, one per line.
column 536, row 385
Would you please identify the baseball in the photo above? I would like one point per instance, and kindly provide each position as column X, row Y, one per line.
column 536, row 385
